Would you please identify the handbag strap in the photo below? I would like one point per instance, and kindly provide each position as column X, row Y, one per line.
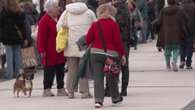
column 101, row 37
column 18, row 32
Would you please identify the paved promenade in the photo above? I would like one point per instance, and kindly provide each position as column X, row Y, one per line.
column 151, row 87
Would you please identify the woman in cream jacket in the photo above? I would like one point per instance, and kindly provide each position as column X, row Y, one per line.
column 77, row 18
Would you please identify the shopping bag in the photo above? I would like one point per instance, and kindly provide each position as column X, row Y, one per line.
column 29, row 58
column 62, row 39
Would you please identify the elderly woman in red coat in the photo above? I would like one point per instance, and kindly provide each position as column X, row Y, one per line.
column 105, row 35
column 52, row 61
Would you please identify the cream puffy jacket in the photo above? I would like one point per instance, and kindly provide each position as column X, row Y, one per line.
column 78, row 18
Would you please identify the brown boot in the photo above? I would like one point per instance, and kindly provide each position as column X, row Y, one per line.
column 62, row 92
column 48, row 93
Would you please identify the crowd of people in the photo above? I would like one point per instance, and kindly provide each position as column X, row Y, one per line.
column 109, row 28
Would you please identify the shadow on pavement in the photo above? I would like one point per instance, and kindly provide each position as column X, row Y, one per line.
column 190, row 106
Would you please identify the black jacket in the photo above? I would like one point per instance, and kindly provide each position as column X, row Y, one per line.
column 189, row 9
column 92, row 4
column 123, row 20
column 9, row 22
column 173, row 26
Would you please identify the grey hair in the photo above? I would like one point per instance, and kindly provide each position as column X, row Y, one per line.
column 83, row 1
column 49, row 4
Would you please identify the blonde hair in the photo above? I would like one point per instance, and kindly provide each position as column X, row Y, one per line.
column 106, row 11
column 132, row 2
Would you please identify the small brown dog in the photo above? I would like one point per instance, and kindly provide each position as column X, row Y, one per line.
column 24, row 82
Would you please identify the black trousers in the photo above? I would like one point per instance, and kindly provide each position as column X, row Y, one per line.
column 98, row 61
column 187, row 51
column 50, row 73
column 125, row 71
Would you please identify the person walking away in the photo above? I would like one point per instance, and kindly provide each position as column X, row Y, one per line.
column 151, row 18
column 110, row 30
column 71, row 18
column 123, row 19
column 173, row 31
column 143, row 8
column 2, row 47
column 136, row 21
column 187, row 45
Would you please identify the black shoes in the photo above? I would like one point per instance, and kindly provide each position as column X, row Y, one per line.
column 181, row 66
column 118, row 101
column 189, row 67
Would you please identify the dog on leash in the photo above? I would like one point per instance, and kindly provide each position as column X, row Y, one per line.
column 24, row 82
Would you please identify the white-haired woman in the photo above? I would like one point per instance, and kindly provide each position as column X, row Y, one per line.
column 52, row 61
column 78, row 20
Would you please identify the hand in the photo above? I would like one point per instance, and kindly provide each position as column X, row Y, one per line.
column 59, row 50
column 194, row 45
column 141, row 24
column 124, row 60
column 25, row 43
column 42, row 55
column 64, row 27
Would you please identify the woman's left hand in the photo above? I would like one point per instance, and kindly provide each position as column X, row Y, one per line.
column 194, row 45
column 25, row 43
column 124, row 60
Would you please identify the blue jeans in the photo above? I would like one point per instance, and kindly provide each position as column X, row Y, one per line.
column 14, row 60
column 145, row 30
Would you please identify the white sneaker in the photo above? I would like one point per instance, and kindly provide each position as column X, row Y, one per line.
column 62, row 92
column 98, row 105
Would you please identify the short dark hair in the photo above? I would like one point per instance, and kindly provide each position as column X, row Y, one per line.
column 171, row 2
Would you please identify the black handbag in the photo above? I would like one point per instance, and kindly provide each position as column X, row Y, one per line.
column 112, row 65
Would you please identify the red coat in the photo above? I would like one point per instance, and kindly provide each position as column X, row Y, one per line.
column 46, row 42
column 111, row 34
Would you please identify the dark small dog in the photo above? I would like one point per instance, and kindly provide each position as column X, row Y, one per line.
column 24, row 82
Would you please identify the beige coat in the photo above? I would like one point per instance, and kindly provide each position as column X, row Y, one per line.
column 78, row 19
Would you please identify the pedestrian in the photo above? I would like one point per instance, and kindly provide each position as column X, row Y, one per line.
column 123, row 19
column 2, row 47
column 52, row 61
column 187, row 45
column 173, row 31
column 12, row 26
column 151, row 18
column 136, row 21
column 159, row 6
column 142, row 6
column 110, row 30
column 77, row 27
